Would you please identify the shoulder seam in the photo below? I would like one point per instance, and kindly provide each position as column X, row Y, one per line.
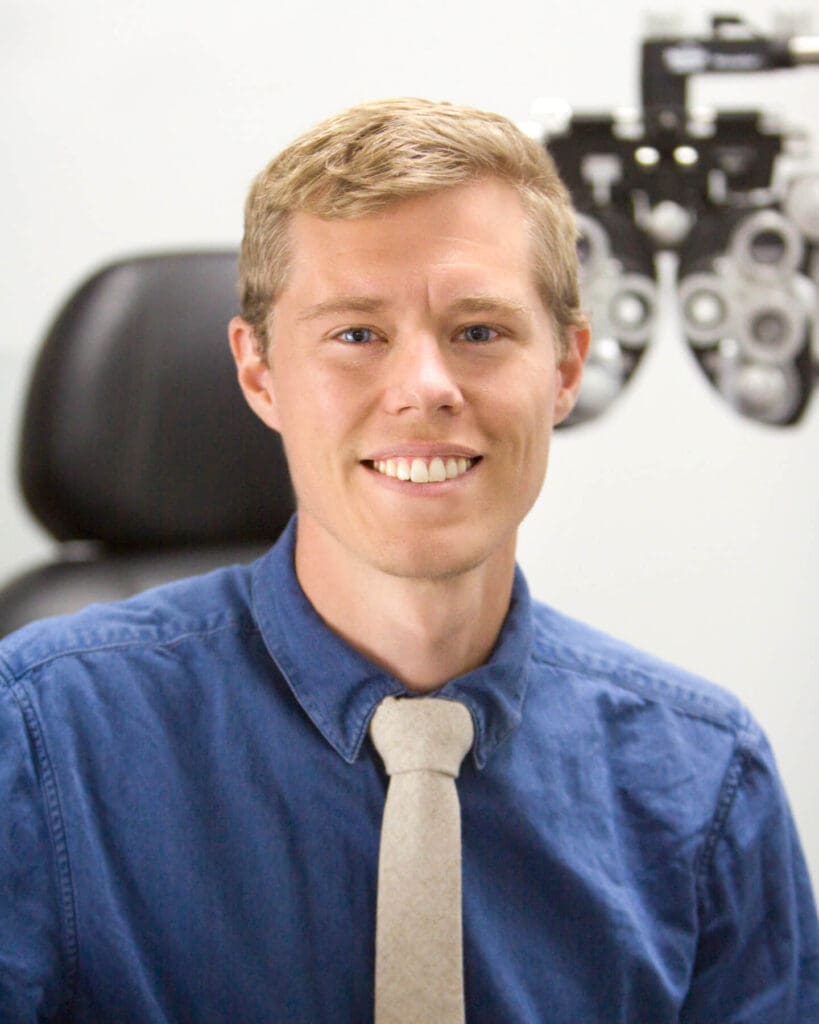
column 725, row 801
column 694, row 705
column 51, row 799
column 248, row 626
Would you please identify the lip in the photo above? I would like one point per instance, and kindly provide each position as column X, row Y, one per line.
column 422, row 450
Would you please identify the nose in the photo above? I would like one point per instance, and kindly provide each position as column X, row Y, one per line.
column 422, row 378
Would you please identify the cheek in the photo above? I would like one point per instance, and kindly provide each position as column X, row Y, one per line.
column 537, row 425
column 535, row 405
column 321, row 412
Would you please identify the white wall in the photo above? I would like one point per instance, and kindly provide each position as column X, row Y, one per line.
column 136, row 126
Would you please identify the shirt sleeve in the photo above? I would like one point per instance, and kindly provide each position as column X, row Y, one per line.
column 34, row 902
column 758, row 952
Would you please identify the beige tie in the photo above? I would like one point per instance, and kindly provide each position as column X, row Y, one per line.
column 418, row 943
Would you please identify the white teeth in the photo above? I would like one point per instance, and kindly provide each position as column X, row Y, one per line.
column 421, row 471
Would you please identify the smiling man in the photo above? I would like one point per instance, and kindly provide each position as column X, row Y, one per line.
column 415, row 373
column 194, row 781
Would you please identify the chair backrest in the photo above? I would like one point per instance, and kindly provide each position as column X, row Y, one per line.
column 137, row 451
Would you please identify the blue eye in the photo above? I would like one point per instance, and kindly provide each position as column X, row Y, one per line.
column 357, row 335
column 479, row 333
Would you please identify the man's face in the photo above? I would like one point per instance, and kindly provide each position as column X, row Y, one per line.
column 413, row 343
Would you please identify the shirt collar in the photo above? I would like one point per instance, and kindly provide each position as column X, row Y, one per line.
column 339, row 688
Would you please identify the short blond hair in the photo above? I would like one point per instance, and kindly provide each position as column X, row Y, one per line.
column 374, row 154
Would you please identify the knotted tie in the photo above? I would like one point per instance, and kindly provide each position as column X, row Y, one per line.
column 418, row 944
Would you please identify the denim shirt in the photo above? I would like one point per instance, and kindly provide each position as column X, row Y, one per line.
column 191, row 811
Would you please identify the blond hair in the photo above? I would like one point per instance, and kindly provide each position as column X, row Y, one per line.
column 371, row 155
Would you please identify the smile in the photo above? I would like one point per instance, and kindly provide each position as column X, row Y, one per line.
column 424, row 471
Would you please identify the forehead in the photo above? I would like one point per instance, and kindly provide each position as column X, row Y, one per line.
column 469, row 235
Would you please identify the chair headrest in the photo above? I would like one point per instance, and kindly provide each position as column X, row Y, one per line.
column 135, row 432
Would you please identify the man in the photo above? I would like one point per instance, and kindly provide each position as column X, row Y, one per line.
column 192, row 801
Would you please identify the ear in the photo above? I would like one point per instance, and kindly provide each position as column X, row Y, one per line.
column 570, row 370
column 253, row 372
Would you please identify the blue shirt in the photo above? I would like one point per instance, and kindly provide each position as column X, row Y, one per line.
column 191, row 811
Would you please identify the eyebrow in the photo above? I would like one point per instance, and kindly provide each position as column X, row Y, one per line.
column 488, row 304
column 343, row 304
column 364, row 304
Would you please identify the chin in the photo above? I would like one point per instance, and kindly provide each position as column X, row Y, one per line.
column 433, row 559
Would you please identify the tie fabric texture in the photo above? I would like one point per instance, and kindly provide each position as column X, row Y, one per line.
column 418, row 944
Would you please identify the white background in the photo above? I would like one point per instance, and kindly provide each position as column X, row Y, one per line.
column 137, row 126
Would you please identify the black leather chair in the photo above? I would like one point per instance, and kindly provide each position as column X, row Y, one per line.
column 137, row 452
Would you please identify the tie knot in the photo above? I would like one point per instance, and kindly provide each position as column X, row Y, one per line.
column 421, row 734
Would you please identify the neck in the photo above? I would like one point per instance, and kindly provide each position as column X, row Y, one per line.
column 424, row 631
